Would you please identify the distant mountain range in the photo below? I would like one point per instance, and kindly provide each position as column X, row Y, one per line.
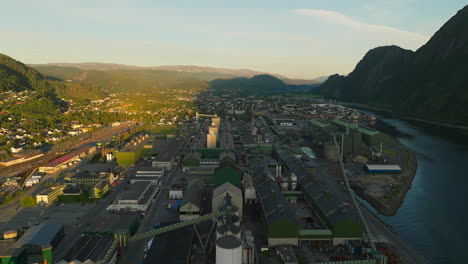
column 209, row 73
column 263, row 84
column 431, row 83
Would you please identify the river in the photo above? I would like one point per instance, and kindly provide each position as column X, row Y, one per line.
column 433, row 217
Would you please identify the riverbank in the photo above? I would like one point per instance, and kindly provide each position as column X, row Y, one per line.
column 386, row 193
column 388, row 111
column 389, row 207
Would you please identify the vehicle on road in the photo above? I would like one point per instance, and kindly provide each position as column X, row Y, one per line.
column 157, row 225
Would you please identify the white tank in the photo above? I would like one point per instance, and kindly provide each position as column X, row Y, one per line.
column 250, row 193
column 228, row 250
column 9, row 234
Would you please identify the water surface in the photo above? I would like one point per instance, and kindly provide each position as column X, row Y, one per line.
column 433, row 217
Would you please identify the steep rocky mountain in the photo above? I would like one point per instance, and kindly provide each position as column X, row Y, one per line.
column 431, row 83
column 321, row 79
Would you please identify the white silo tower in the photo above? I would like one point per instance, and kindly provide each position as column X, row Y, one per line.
column 228, row 250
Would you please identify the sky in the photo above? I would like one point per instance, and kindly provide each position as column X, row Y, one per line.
column 296, row 38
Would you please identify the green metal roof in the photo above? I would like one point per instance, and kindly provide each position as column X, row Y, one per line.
column 315, row 233
column 368, row 131
column 297, row 151
column 210, row 153
column 319, row 123
column 343, row 123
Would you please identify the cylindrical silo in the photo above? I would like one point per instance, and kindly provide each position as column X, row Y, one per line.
column 228, row 229
column 9, row 234
column 228, row 250
column 293, row 181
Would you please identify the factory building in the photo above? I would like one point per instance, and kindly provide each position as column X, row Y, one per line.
column 320, row 125
column 137, row 198
column 171, row 247
column 67, row 160
column 190, row 205
column 203, row 162
column 341, row 219
column 92, row 178
column 167, row 158
column 284, row 122
column 287, row 254
column 227, row 173
column 89, row 249
column 370, row 136
column 193, row 159
column 133, row 150
column 50, row 194
column 35, row 246
column 281, row 224
column 122, row 224
column 228, row 189
column 176, row 192
column 227, row 156
column 152, row 175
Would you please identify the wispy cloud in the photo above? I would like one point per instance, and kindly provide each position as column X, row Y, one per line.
column 334, row 17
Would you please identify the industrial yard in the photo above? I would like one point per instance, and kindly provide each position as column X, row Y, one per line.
column 222, row 190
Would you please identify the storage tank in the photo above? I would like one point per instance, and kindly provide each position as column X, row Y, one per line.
column 228, row 229
column 284, row 185
column 9, row 234
column 228, row 250
column 232, row 219
column 250, row 193
column 293, row 181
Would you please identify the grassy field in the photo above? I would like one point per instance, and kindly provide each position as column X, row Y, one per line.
column 165, row 130
column 390, row 153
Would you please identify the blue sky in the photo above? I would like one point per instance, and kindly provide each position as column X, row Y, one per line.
column 296, row 38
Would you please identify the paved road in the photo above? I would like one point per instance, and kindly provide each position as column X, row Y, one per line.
column 157, row 212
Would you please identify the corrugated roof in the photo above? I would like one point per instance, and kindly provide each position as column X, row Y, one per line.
column 135, row 190
column 171, row 247
column 274, row 206
column 193, row 193
column 89, row 248
column 327, row 203
column 39, row 235
column 382, row 167
column 368, row 131
column 319, row 123
column 344, row 123
column 227, row 186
